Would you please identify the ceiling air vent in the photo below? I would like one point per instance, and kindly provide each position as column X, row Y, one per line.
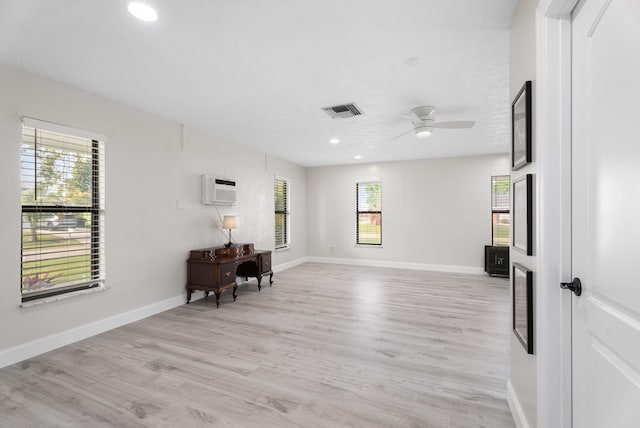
column 343, row 111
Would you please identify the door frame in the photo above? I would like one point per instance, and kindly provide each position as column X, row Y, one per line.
column 553, row 211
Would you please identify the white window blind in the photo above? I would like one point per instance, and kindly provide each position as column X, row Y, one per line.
column 282, row 214
column 369, row 213
column 62, row 192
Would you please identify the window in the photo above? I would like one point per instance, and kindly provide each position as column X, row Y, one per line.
column 62, row 192
column 369, row 213
column 282, row 220
column 500, row 215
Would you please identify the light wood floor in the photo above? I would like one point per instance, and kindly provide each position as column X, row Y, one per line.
column 326, row 346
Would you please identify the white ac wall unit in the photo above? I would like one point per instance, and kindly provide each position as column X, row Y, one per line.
column 218, row 191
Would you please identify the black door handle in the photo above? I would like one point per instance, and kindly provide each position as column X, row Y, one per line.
column 575, row 286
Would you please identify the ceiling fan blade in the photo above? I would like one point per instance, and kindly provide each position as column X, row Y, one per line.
column 403, row 134
column 455, row 124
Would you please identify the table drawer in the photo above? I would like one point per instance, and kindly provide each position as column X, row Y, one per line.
column 227, row 274
column 265, row 262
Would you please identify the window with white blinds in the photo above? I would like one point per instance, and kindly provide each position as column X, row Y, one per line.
column 369, row 213
column 282, row 214
column 500, row 214
column 62, row 192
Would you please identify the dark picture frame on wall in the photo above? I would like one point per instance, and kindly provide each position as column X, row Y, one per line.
column 521, row 127
column 522, row 215
column 522, row 324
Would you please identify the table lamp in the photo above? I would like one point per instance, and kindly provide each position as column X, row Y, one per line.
column 229, row 222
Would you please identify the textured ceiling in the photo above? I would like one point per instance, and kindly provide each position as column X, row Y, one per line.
column 257, row 73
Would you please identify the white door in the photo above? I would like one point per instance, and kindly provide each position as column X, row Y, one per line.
column 606, row 213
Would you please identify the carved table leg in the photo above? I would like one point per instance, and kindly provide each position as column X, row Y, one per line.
column 217, row 293
column 270, row 279
column 259, row 278
column 188, row 295
column 235, row 288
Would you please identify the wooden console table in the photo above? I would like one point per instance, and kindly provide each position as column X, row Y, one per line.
column 215, row 269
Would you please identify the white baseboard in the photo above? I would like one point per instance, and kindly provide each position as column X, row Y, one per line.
column 398, row 265
column 515, row 407
column 49, row 343
column 292, row 263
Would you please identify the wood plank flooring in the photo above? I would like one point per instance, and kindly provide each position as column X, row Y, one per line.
column 326, row 346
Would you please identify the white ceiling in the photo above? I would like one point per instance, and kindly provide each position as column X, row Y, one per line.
column 257, row 73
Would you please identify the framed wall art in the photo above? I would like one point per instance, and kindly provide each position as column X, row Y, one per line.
column 522, row 293
column 521, row 127
column 522, row 215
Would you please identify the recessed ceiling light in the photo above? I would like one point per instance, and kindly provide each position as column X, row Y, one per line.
column 142, row 11
column 357, row 157
column 413, row 61
column 334, row 141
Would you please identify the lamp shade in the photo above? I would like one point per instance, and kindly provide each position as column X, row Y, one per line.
column 230, row 222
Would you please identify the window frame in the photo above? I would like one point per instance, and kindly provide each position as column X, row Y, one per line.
column 285, row 212
column 95, row 211
column 359, row 212
column 497, row 212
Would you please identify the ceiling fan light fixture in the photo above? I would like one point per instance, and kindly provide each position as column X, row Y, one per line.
column 423, row 131
column 423, row 112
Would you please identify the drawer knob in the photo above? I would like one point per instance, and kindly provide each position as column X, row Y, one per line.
column 228, row 273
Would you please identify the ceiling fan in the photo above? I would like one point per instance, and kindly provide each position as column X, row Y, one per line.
column 423, row 120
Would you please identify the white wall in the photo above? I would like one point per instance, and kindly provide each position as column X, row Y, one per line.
column 434, row 212
column 522, row 68
column 149, row 168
